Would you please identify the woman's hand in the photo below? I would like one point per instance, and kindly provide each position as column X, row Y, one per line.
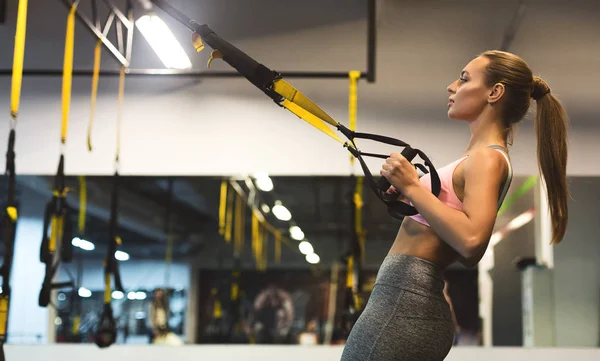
column 401, row 174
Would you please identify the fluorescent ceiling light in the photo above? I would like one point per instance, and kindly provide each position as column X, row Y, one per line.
column 281, row 212
column 163, row 42
column 305, row 247
column 312, row 258
column 121, row 256
column 296, row 233
column 83, row 244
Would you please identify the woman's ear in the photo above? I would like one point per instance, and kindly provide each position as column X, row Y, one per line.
column 496, row 93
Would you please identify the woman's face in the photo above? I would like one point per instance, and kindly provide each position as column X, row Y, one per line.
column 469, row 93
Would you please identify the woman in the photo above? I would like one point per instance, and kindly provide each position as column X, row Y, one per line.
column 407, row 316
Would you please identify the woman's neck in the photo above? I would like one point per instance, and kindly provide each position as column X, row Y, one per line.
column 485, row 132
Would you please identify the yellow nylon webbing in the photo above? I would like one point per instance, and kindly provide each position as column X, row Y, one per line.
column 82, row 203
column 222, row 207
column 95, row 77
column 292, row 94
column 76, row 322
column 68, row 72
column 120, row 110
column 309, row 118
column 352, row 102
column 358, row 202
column 3, row 313
column 350, row 273
column 107, row 290
column 228, row 217
column 19, row 55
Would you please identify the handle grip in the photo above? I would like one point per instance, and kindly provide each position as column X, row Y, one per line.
column 383, row 184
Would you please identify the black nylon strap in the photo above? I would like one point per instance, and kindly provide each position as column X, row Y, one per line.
column 396, row 209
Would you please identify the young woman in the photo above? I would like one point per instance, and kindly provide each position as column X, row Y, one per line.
column 407, row 316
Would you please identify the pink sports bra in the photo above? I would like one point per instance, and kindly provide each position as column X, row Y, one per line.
column 447, row 194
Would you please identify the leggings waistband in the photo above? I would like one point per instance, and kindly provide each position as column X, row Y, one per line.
column 412, row 274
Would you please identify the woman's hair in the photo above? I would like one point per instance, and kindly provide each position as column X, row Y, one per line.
column 550, row 126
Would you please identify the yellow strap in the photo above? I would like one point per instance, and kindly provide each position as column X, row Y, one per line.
column 358, row 202
column 95, row 77
column 120, row 110
column 75, row 329
column 350, row 273
column 222, row 207
column 217, row 311
column 19, row 55
column 68, row 72
column 107, row 290
column 292, row 94
column 82, row 204
column 310, row 119
column 228, row 217
column 3, row 313
column 235, row 291
column 53, row 234
column 255, row 238
column 352, row 102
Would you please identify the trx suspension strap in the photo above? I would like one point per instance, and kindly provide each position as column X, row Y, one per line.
column 285, row 95
column 58, row 223
column 355, row 252
column 106, row 332
column 8, row 220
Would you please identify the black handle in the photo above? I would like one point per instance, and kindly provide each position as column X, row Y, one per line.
column 409, row 153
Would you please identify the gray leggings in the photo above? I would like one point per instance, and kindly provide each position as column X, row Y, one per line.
column 406, row 318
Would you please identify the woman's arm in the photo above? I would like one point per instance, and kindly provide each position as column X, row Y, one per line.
column 467, row 231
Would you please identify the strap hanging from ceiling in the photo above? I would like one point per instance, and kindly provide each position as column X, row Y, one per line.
column 9, row 215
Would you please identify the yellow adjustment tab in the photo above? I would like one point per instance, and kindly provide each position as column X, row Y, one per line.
column 53, row 234
column 107, row 290
column 68, row 72
column 352, row 102
column 292, row 94
column 350, row 274
column 95, row 78
column 3, row 314
column 310, row 119
column 197, row 42
column 12, row 214
column 19, row 54
column 82, row 203
column 229, row 217
column 217, row 312
column 235, row 291
column 222, row 207
column 216, row 54
column 76, row 322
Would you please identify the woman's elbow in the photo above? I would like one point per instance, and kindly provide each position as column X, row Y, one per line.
column 474, row 249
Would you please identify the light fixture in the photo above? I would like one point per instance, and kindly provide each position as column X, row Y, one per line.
column 313, row 258
column 121, row 256
column 296, row 233
column 161, row 39
column 84, row 292
column 281, row 212
column 265, row 208
column 83, row 244
column 139, row 295
column 117, row 295
column 305, row 247
column 263, row 182
column 131, row 295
